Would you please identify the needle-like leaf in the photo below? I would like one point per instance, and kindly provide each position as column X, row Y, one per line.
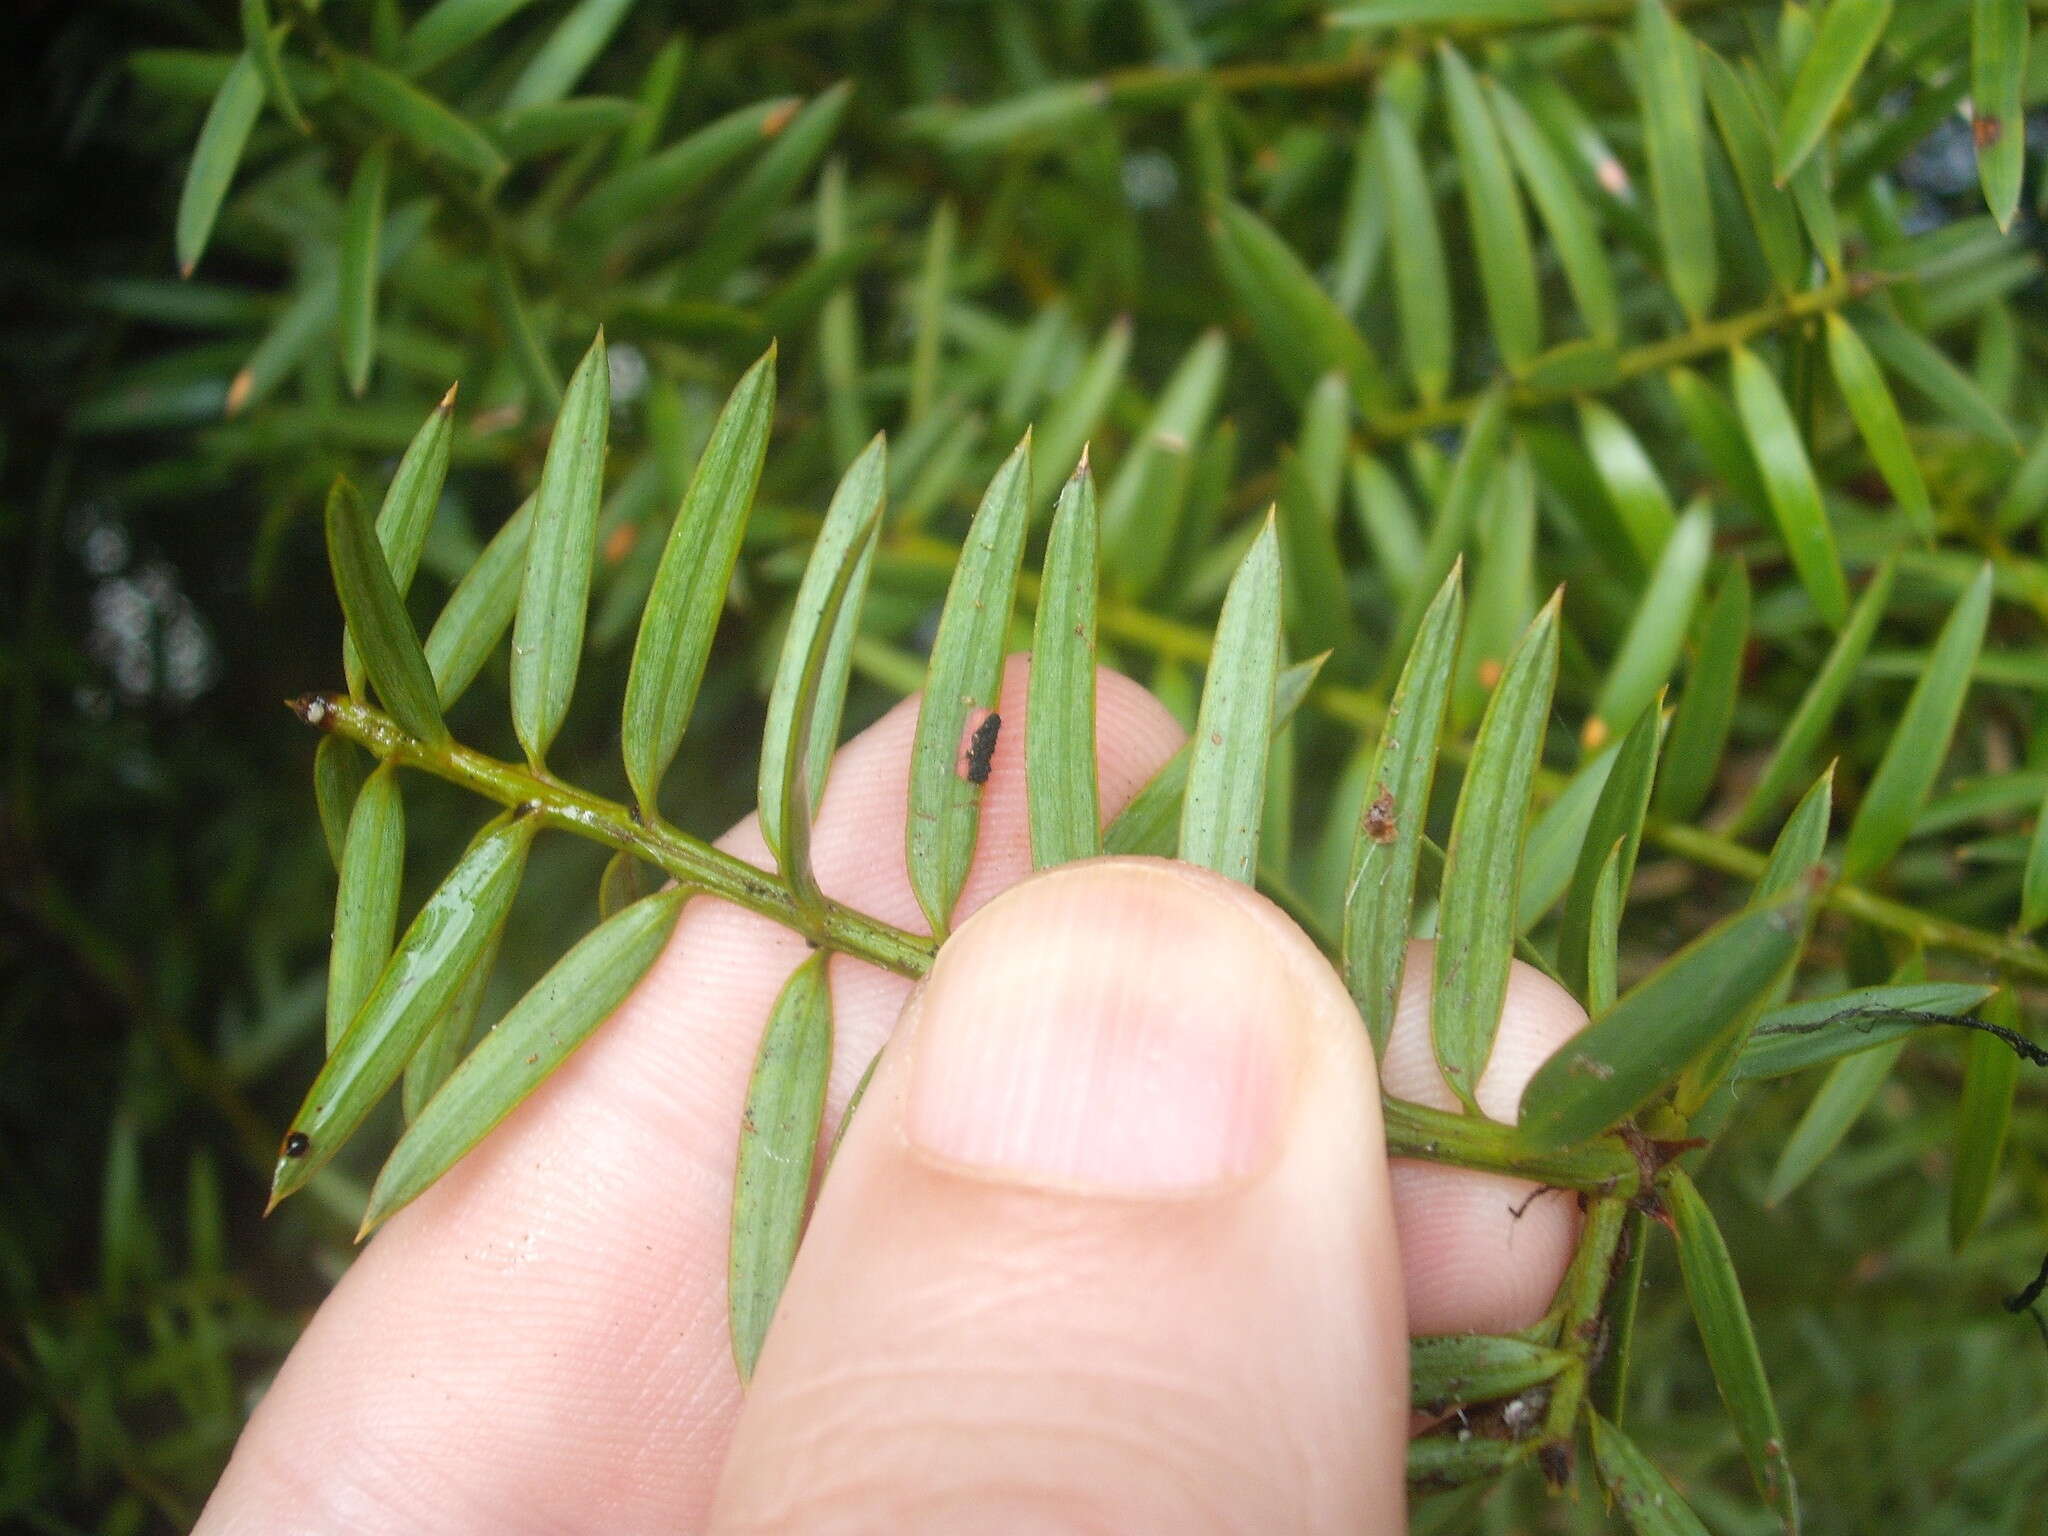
column 366, row 900
column 1849, row 32
column 778, row 1149
column 1394, row 818
column 1921, row 739
column 1717, row 1307
column 222, row 138
column 1788, row 478
column 422, row 977
column 689, row 587
column 1674, row 137
column 554, row 592
column 1483, row 861
column 1226, row 786
column 536, row 1035
column 1059, row 744
column 407, row 514
column 809, row 692
column 1638, row 1048
column 960, row 694
column 1706, row 710
column 377, row 619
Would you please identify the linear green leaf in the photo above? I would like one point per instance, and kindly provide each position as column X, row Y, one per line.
column 1150, row 821
column 1300, row 328
column 1674, row 138
column 1634, row 1486
column 366, row 899
column 1421, row 272
column 2034, row 880
column 568, row 51
column 1836, row 1105
column 778, row 1149
column 362, row 225
column 340, row 769
column 1629, row 478
column 222, row 138
column 809, row 691
column 1452, row 1370
column 1920, row 742
column 1706, row 710
column 1387, row 519
column 407, row 513
column 554, row 592
column 1795, row 497
column 934, row 284
column 449, row 26
column 421, row 978
column 1714, row 426
column 1075, row 415
column 1657, row 629
column 696, row 567
column 1316, row 607
column 1747, row 137
column 1638, row 1048
column 1603, row 932
column 448, row 1036
column 1816, row 711
column 1380, row 895
column 1998, row 73
column 634, row 193
column 963, row 683
column 530, row 132
column 1136, row 541
column 264, row 41
column 1983, row 1114
column 1849, row 31
column 536, row 1035
column 1927, row 368
column 1456, row 511
column 1493, row 208
column 1574, row 233
column 1717, row 1307
column 377, row 619
column 1617, row 823
column 416, row 117
column 1226, row 785
column 480, row 608
column 1503, row 589
column 1557, row 836
column 1483, row 860
column 1876, row 414
column 733, row 232
column 1059, row 745
column 1818, row 1030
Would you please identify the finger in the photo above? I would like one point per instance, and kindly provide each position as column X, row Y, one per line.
column 540, row 1342
column 1109, row 1245
column 1472, row 1264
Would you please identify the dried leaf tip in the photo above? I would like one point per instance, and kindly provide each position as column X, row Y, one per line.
column 778, row 119
column 239, row 390
column 448, row 400
column 1081, row 468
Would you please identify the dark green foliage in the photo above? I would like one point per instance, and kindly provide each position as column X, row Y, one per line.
column 1695, row 310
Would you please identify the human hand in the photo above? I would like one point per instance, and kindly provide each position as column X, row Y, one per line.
column 1111, row 1244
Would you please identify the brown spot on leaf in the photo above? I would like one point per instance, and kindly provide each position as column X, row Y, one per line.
column 1379, row 816
column 1987, row 131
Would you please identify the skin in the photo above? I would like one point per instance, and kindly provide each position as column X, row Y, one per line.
column 1178, row 1309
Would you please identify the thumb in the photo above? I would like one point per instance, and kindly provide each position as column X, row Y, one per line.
column 1108, row 1245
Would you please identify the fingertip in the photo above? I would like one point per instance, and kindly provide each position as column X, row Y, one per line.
column 1478, row 1253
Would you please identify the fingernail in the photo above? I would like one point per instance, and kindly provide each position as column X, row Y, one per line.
column 1121, row 1028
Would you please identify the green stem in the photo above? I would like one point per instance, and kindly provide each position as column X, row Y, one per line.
column 690, row 860
column 1577, row 1309
column 1649, row 357
column 1464, row 1141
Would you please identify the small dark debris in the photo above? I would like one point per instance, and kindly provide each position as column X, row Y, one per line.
column 527, row 808
column 297, row 1144
column 981, row 748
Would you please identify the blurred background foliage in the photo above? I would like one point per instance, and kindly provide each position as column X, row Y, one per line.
column 1252, row 251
